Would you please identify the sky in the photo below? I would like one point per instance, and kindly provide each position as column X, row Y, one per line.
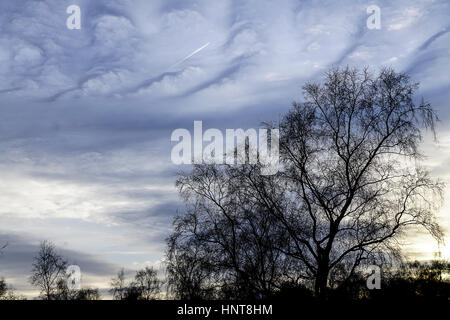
column 86, row 115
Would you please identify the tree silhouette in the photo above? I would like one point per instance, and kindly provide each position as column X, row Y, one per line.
column 63, row 292
column 145, row 286
column 118, row 286
column 349, row 186
column 48, row 271
column 350, row 153
column 227, row 244
column 189, row 272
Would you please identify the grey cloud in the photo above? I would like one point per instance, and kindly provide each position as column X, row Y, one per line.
column 91, row 111
column 434, row 37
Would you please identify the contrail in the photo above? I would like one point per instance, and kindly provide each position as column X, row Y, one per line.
column 191, row 54
column 149, row 81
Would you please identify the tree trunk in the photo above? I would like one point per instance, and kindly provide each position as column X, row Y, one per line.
column 321, row 281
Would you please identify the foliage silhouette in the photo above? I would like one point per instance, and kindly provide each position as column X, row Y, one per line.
column 48, row 271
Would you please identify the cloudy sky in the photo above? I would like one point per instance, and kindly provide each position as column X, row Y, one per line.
column 86, row 115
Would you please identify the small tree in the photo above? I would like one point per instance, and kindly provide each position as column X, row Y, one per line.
column 118, row 286
column 49, row 269
column 147, row 284
column 63, row 292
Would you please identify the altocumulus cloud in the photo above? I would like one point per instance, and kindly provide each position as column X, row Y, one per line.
column 86, row 115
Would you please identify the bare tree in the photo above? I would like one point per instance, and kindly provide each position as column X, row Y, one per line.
column 350, row 185
column 228, row 238
column 147, row 284
column 189, row 272
column 350, row 153
column 49, row 269
column 118, row 286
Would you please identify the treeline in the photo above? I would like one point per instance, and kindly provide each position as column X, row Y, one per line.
column 412, row 280
column 49, row 275
column 408, row 281
column 189, row 280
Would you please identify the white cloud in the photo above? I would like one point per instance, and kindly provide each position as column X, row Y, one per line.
column 407, row 17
